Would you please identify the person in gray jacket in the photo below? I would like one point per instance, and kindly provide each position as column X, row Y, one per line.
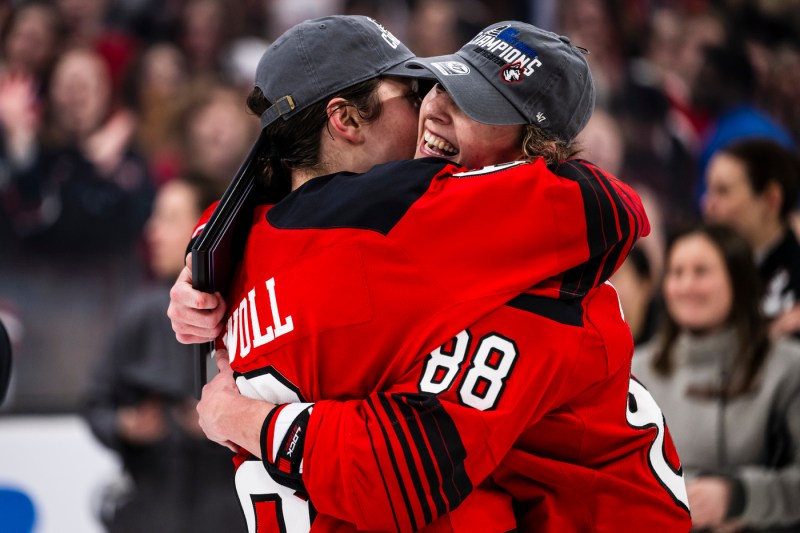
column 730, row 395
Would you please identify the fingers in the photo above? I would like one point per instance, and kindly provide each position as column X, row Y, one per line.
column 222, row 360
column 196, row 316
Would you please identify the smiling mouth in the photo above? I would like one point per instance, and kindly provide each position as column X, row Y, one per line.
column 437, row 145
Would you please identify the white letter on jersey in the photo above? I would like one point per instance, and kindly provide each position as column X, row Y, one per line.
column 287, row 326
column 259, row 339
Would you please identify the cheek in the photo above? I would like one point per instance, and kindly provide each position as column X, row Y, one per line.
column 399, row 135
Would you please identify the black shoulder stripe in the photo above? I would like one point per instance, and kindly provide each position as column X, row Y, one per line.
column 604, row 209
column 375, row 200
column 568, row 312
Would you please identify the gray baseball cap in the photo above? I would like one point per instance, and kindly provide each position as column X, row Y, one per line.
column 320, row 57
column 516, row 73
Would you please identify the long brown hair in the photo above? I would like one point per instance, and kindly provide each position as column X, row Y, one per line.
column 746, row 317
column 537, row 142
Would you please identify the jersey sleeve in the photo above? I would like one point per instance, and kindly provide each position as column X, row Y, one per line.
column 565, row 228
column 401, row 458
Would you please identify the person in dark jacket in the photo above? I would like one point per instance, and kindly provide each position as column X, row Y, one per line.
column 140, row 401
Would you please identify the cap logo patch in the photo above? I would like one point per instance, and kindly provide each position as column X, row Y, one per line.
column 512, row 73
column 451, row 68
column 501, row 46
column 386, row 34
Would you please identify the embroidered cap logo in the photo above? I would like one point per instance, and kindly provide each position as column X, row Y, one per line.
column 512, row 73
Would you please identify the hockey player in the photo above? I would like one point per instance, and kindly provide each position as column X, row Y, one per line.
column 423, row 334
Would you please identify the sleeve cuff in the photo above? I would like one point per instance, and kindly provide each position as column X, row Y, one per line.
column 282, row 439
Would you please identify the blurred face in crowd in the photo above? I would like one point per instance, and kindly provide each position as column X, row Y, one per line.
column 163, row 71
column 730, row 199
column 170, row 227
column 80, row 92
column 31, row 40
column 445, row 131
column 697, row 287
column 219, row 135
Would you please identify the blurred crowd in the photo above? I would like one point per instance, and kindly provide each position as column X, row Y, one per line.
column 109, row 109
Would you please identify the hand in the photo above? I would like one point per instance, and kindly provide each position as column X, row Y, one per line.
column 144, row 423
column 214, row 405
column 226, row 416
column 709, row 498
column 106, row 147
column 196, row 316
column 20, row 115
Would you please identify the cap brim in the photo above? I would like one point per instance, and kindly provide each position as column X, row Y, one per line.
column 401, row 70
column 473, row 93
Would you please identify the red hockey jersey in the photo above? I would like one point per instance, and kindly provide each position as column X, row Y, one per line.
column 352, row 289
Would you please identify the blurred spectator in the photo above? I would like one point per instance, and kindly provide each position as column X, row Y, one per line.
column 602, row 141
column 217, row 132
column 636, row 288
column 140, row 401
column 158, row 85
column 32, row 38
column 82, row 188
column 731, row 397
column 589, row 24
column 656, row 154
column 205, row 30
column 753, row 187
column 78, row 197
column 87, row 26
column 725, row 89
column 700, row 29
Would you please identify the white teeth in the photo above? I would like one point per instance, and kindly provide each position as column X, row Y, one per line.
column 437, row 142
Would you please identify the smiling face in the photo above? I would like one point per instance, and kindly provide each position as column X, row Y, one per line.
column 697, row 287
column 445, row 131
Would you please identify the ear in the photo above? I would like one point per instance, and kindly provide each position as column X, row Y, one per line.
column 344, row 122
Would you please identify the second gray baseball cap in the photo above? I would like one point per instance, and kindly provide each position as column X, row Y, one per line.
column 516, row 73
column 320, row 57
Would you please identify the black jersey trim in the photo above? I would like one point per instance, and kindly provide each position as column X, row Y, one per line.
column 376, row 200
column 566, row 311
column 445, row 443
column 409, row 457
column 396, row 469
column 604, row 209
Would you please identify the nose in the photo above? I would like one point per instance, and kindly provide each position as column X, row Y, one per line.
column 437, row 105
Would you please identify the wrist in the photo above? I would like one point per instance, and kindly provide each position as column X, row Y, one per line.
column 244, row 425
